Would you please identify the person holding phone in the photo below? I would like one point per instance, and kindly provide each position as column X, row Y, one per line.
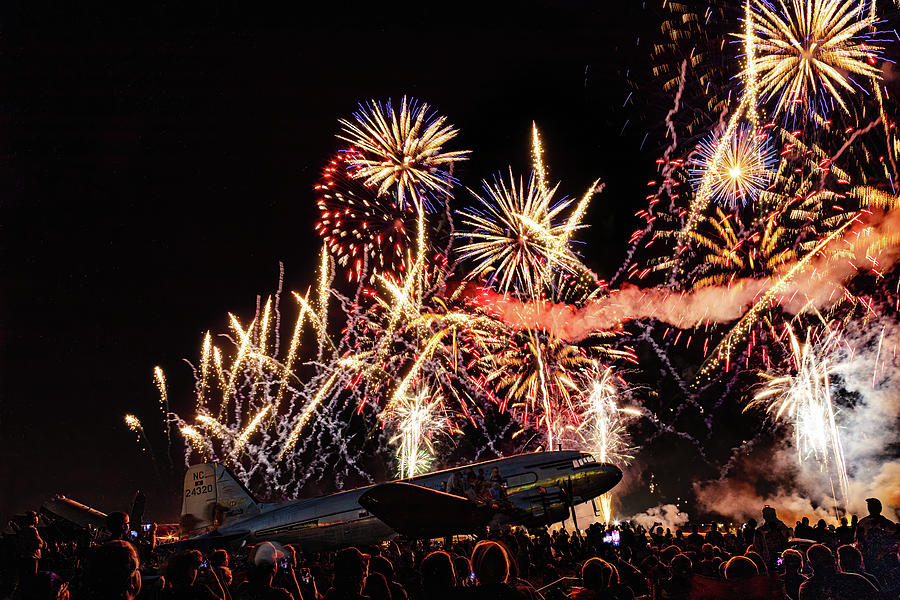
column 265, row 559
column 182, row 574
column 287, row 575
column 219, row 562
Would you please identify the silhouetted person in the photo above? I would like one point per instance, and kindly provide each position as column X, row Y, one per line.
column 118, row 525
column 850, row 560
column 43, row 586
column 695, row 539
column 491, row 567
column 261, row 575
column 740, row 567
column 771, row 537
column 286, row 575
column 438, row 577
column 678, row 586
column 380, row 564
column 742, row 581
column 874, row 537
column 844, row 533
column 111, row 572
column 714, row 536
column 407, row 575
column 29, row 545
column 376, row 587
column 219, row 561
column 827, row 582
column 463, row 569
column 601, row 580
column 181, row 575
column 748, row 532
column 758, row 561
column 822, row 535
column 349, row 576
column 709, row 563
column 791, row 577
column 804, row 530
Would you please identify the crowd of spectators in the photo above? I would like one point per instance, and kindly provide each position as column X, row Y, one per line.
column 620, row 561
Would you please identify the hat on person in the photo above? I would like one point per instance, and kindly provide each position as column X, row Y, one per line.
column 266, row 553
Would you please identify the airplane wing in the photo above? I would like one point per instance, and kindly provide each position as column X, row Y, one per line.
column 420, row 512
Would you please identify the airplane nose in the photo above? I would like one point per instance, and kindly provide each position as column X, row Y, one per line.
column 613, row 474
column 601, row 478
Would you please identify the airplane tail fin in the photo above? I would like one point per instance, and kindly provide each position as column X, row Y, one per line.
column 213, row 497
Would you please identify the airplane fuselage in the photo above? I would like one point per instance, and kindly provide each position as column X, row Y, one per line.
column 537, row 485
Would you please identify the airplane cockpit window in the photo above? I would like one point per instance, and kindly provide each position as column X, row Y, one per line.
column 584, row 460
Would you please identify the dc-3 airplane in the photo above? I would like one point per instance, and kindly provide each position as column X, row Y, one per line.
column 536, row 489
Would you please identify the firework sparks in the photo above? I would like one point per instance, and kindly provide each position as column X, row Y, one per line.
column 516, row 234
column 401, row 152
column 254, row 412
column 537, row 158
column 807, row 51
column 359, row 228
column 804, row 399
column 417, row 418
column 414, row 341
column 134, row 424
column 538, row 375
column 602, row 430
column 738, row 173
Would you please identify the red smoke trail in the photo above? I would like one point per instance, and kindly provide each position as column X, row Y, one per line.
column 872, row 245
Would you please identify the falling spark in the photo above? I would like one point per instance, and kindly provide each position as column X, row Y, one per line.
column 537, row 159
column 160, row 379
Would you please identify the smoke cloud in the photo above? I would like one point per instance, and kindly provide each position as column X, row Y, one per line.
column 817, row 283
column 866, row 377
column 666, row 515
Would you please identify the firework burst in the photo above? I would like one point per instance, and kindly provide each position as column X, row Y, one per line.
column 401, row 152
column 740, row 172
column 364, row 232
column 517, row 237
column 807, row 51
column 538, row 376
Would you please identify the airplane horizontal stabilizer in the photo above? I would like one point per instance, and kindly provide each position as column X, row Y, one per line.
column 420, row 512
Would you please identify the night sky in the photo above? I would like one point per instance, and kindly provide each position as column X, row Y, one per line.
column 157, row 166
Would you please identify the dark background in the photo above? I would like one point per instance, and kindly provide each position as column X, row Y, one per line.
column 157, row 166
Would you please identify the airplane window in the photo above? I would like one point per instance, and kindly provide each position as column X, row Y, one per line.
column 520, row 479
